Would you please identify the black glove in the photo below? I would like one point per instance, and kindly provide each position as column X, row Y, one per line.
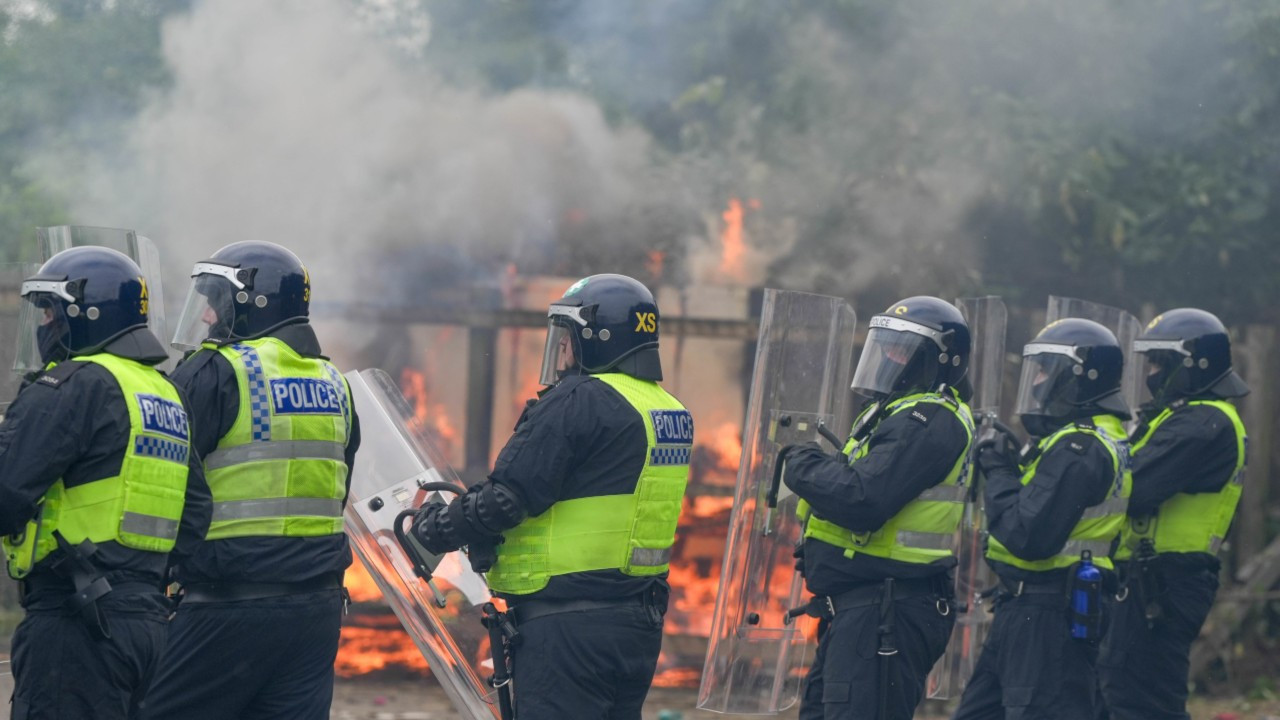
column 997, row 453
column 789, row 451
column 482, row 555
column 433, row 529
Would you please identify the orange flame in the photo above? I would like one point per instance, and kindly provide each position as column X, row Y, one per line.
column 732, row 246
column 427, row 416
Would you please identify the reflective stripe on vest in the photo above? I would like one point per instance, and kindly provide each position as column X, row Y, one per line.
column 924, row 530
column 1191, row 522
column 1100, row 523
column 280, row 471
column 141, row 507
column 632, row 533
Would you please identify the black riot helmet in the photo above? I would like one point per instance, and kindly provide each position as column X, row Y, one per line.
column 245, row 291
column 1188, row 354
column 84, row 297
column 1071, row 370
column 604, row 323
column 919, row 344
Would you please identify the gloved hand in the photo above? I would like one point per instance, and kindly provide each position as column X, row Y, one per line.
column 788, row 452
column 482, row 555
column 432, row 528
column 995, row 454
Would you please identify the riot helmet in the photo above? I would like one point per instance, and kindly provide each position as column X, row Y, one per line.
column 245, row 291
column 1188, row 353
column 81, row 300
column 919, row 344
column 1071, row 370
column 604, row 323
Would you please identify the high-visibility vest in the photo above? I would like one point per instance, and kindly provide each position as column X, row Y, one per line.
column 924, row 530
column 140, row 507
column 1190, row 522
column 281, row 471
column 633, row 532
column 1100, row 523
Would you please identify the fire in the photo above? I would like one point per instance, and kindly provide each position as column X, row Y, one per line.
column 428, row 416
column 654, row 264
column 733, row 248
column 360, row 586
column 726, row 442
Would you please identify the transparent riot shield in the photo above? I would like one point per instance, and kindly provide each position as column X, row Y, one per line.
column 141, row 250
column 987, row 319
column 1125, row 326
column 756, row 656
column 12, row 311
column 442, row 615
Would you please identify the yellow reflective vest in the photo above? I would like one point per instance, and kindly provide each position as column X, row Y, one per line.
column 924, row 530
column 1190, row 522
column 281, row 469
column 141, row 506
column 632, row 533
column 1101, row 523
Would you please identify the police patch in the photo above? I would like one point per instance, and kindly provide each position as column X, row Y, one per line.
column 672, row 427
column 163, row 417
column 304, row 396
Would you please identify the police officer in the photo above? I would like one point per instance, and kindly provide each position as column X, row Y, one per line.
column 583, row 500
column 256, row 633
column 880, row 526
column 1062, row 501
column 1188, row 466
column 95, row 497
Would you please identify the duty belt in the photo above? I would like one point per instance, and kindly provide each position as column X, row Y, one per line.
column 240, row 591
column 529, row 610
column 826, row 606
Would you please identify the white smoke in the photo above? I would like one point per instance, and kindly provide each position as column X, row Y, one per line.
column 290, row 121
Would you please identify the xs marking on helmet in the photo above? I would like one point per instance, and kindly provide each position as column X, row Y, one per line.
column 1155, row 321
column 900, row 310
column 646, row 322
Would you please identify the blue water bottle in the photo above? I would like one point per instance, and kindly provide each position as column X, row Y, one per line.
column 1086, row 600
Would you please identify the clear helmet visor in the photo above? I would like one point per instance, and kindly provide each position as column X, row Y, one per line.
column 208, row 313
column 892, row 361
column 1163, row 370
column 560, row 355
column 43, row 333
column 1045, row 385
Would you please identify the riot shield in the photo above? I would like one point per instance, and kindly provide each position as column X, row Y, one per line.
column 12, row 314
column 1125, row 327
column 141, row 250
column 443, row 615
column 987, row 320
column 756, row 656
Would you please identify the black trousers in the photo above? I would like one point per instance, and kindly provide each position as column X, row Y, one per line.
column 62, row 672
column 843, row 682
column 269, row 658
column 587, row 665
column 1031, row 668
column 1143, row 671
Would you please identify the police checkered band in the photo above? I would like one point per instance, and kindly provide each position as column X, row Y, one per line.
column 161, row 448
column 336, row 377
column 670, row 455
column 259, row 399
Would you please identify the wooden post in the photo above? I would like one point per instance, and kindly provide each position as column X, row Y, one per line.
column 1254, row 357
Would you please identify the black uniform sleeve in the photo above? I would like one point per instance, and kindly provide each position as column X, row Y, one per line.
column 353, row 445
column 197, row 507
column 536, row 460
column 209, row 382
column 1035, row 520
column 44, row 431
column 909, row 452
column 1193, row 451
